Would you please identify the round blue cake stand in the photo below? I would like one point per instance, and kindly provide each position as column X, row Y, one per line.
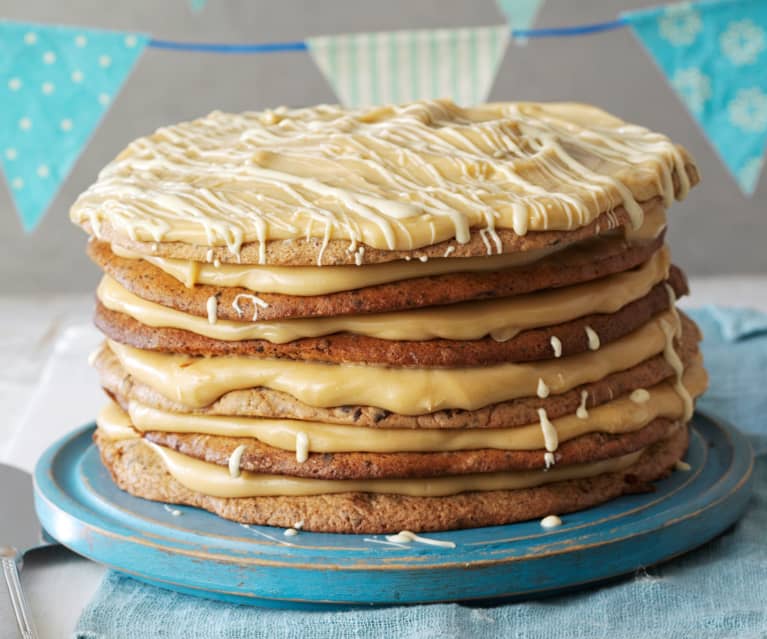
column 195, row 552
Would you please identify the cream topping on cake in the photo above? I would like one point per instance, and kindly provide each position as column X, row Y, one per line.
column 392, row 178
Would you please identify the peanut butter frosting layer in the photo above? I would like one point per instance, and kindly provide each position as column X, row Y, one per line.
column 261, row 458
column 390, row 179
column 346, row 348
column 575, row 265
column 344, row 452
column 500, row 319
column 161, row 387
column 199, row 381
column 140, row 470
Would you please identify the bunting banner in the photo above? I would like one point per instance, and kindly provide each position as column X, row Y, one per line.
column 520, row 14
column 714, row 56
column 401, row 66
column 56, row 82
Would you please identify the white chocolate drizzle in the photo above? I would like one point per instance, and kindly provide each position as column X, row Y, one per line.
column 550, row 437
column 581, row 412
column 640, row 396
column 397, row 177
column 556, row 346
column 682, row 465
column 234, row 461
column 552, row 521
column 290, row 532
column 593, row 338
column 673, row 360
column 212, row 307
column 257, row 301
column 406, row 537
column 302, row 447
column 543, row 390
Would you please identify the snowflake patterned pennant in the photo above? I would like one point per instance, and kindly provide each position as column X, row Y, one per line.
column 56, row 83
column 714, row 55
column 402, row 66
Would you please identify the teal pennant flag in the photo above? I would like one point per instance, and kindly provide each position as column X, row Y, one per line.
column 714, row 55
column 402, row 66
column 56, row 84
column 520, row 14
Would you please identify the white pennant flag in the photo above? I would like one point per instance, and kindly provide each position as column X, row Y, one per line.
column 401, row 66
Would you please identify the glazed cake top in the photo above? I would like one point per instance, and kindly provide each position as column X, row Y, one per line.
column 393, row 178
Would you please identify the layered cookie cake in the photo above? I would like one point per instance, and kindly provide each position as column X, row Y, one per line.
column 417, row 317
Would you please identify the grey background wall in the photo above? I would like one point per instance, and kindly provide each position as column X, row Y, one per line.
column 717, row 230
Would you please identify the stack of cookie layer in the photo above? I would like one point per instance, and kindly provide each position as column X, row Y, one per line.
column 419, row 317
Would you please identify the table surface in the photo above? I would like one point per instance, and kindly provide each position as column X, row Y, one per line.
column 47, row 389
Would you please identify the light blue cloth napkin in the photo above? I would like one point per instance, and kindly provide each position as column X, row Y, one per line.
column 717, row 591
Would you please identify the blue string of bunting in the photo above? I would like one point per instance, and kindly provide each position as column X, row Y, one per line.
column 300, row 45
column 57, row 82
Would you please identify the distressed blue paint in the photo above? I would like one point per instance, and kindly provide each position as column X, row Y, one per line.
column 201, row 554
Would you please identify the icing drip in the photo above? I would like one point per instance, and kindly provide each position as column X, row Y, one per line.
column 581, row 412
column 552, row 521
column 593, row 338
column 672, row 307
column 406, row 537
column 257, row 301
column 682, row 465
column 673, row 360
column 393, row 177
column 550, row 437
column 234, row 461
column 640, row 396
column 543, row 390
column 290, row 532
column 302, row 447
column 212, row 307
column 556, row 346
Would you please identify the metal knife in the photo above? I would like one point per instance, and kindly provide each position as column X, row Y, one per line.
column 19, row 532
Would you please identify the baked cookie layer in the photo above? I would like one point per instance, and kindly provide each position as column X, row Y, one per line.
column 262, row 402
column 591, row 261
column 262, row 458
column 137, row 469
column 527, row 346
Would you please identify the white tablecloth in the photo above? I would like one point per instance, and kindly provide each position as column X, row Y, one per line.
column 47, row 389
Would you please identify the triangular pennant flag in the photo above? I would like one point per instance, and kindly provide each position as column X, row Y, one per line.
column 714, row 55
column 520, row 14
column 197, row 5
column 56, row 83
column 402, row 66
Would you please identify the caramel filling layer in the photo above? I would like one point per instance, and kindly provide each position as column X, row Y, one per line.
column 501, row 319
column 312, row 280
column 622, row 415
column 199, row 381
column 211, row 479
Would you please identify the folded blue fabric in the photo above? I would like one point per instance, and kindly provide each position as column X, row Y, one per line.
column 717, row 591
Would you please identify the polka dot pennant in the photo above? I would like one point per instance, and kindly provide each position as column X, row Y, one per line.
column 714, row 55
column 56, row 84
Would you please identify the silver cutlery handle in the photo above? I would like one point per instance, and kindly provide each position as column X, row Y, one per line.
column 18, row 601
